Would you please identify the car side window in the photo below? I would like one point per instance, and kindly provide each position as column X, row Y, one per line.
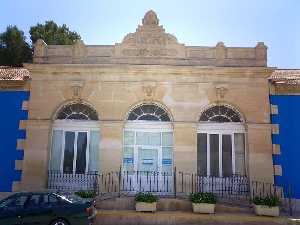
column 15, row 201
column 21, row 200
column 34, row 201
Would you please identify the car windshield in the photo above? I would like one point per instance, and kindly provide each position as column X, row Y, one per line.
column 71, row 198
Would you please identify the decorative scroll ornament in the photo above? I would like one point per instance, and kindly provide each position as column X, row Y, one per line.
column 150, row 40
column 221, row 92
column 77, row 87
column 149, row 89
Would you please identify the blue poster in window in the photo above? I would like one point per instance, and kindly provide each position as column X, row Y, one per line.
column 167, row 161
column 148, row 161
column 128, row 160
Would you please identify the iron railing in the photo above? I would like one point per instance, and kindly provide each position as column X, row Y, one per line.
column 66, row 182
column 175, row 184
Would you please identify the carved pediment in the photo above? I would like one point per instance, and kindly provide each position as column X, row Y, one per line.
column 150, row 40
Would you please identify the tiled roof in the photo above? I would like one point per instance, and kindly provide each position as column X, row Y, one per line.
column 14, row 73
column 291, row 77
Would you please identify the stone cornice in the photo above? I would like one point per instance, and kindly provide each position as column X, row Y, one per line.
column 83, row 69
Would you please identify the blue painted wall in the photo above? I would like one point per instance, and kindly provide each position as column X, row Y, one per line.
column 288, row 119
column 10, row 115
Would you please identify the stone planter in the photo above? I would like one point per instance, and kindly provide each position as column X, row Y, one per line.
column 145, row 207
column 203, row 208
column 264, row 210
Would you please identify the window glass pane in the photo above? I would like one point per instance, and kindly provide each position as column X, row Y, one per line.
column 128, row 158
column 167, row 153
column 129, row 137
column 148, row 138
column 202, row 154
column 69, row 152
column 81, row 152
column 94, row 151
column 167, row 161
column 239, row 145
column 147, row 159
column 56, row 151
column 226, row 155
column 214, row 154
column 167, row 138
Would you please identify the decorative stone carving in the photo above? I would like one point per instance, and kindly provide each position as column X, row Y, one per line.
column 77, row 86
column 150, row 18
column 221, row 91
column 150, row 40
column 149, row 89
column 40, row 48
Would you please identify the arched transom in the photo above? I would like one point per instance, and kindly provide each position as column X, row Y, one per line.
column 220, row 114
column 77, row 111
column 149, row 112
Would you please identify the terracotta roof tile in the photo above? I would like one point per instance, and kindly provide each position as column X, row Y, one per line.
column 291, row 77
column 13, row 73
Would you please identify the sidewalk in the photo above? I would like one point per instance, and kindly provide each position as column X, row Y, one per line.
column 131, row 217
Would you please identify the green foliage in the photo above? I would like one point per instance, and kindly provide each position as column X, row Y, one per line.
column 86, row 194
column 270, row 201
column 14, row 50
column 201, row 197
column 145, row 197
column 53, row 34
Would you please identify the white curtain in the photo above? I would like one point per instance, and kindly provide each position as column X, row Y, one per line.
column 239, row 143
column 148, row 138
column 129, row 137
column 167, row 139
column 56, row 150
column 128, row 158
column 94, row 151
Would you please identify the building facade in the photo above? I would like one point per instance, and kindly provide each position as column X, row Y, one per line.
column 285, row 101
column 148, row 103
column 14, row 96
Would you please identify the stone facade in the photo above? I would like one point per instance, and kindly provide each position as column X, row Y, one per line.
column 148, row 66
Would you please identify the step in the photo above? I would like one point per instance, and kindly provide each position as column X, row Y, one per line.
column 130, row 217
column 170, row 204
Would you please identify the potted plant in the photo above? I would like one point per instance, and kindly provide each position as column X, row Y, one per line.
column 145, row 202
column 266, row 206
column 203, row 202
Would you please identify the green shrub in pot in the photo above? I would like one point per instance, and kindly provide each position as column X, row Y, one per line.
column 203, row 202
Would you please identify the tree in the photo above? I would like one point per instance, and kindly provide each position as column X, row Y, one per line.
column 14, row 50
column 53, row 34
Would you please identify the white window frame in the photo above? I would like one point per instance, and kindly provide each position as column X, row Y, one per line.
column 220, row 129
column 74, row 126
column 148, row 126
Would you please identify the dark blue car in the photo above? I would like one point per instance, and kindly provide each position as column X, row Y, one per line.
column 45, row 209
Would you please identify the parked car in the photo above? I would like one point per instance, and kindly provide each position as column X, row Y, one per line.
column 45, row 209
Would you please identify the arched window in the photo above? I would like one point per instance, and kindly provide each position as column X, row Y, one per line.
column 221, row 142
column 150, row 112
column 148, row 141
column 77, row 111
column 220, row 114
column 75, row 140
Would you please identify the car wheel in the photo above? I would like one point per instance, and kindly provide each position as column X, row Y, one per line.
column 59, row 222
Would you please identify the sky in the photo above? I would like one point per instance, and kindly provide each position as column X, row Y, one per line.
column 194, row 22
